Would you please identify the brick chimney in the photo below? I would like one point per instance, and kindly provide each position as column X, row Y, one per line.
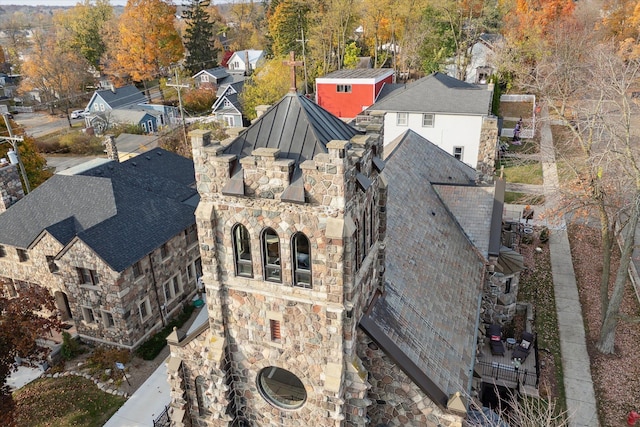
column 10, row 185
column 110, row 147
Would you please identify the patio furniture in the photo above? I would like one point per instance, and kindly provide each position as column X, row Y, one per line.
column 494, row 332
column 524, row 348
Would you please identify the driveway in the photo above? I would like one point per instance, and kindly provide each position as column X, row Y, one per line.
column 40, row 124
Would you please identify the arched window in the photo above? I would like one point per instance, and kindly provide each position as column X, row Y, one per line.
column 356, row 244
column 271, row 255
column 364, row 245
column 301, row 261
column 242, row 251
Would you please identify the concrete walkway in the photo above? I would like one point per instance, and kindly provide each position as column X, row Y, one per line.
column 576, row 365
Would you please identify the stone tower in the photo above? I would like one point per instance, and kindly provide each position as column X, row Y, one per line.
column 290, row 222
column 10, row 185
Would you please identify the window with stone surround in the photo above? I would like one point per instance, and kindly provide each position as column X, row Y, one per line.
column 144, row 308
column 107, row 319
column 507, row 285
column 356, row 245
column 372, row 216
column 242, row 251
column 88, row 315
column 164, row 251
column 23, row 255
column 194, row 269
column 3, row 251
column 191, row 234
column 281, row 388
column 271, row 255
column 201, row 393
column 51, row 263
column 363, row 237
column 137, row 270
column 87, row 276
column 301, row 261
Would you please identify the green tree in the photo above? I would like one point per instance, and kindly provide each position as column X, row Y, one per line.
column 199, row 37
column 351, row 54
column 285, row 27
column 20, row 324
column 268, row 84
column 81, row 28
column 146, row 40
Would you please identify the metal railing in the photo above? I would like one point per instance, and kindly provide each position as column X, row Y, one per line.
column 162, row 420
column 502, row 372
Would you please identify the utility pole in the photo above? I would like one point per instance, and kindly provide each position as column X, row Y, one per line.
column 304, row 59
column 179, row 86
column 14, row 143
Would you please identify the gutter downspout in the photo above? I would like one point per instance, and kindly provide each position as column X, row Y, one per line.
column 475, row 340
column 155, row 288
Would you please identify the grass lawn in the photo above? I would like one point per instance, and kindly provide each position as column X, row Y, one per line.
column 524, row 173
column 516, row 198
column 64, row 401
column 516, row 109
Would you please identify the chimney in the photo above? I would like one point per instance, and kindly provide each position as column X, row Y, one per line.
column 112, row 87
column 10, row 185
column 246, row 61
column 110, row 147
column 261, row 109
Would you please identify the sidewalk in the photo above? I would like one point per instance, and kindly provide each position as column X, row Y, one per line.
column 576, row 365
column 154, row 394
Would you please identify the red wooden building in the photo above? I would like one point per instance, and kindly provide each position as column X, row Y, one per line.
column 345, row 93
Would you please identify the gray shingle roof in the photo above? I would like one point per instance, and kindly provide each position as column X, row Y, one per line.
column 434, row 273
column 122, row 211
column 436, row 93
column 297, row 126
column 122, row 97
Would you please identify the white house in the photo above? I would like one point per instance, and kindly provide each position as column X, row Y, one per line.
column 448, row 112
column 245, row 60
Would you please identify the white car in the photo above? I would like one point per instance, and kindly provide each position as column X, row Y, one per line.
column 77, row 114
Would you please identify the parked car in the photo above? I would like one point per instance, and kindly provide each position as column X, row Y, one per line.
column 78, row 114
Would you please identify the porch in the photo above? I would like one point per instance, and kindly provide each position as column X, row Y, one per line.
column 503, row 371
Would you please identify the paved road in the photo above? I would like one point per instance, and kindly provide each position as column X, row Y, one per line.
column 40, row 124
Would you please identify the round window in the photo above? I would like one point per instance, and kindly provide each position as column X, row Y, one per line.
column 281, row 388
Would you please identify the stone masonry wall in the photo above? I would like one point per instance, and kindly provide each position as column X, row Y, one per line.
column 396, row 399
column 118, row 293
column 10, row 186
column 488, row 149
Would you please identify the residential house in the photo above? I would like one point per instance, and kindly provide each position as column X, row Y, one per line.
column 454, row 115
column 227, row 107
column 245, row 61
column 115, row 243
column 480, row 66
column 346, row 93
column 342, row 288
column 127, row 105
column 217, row 78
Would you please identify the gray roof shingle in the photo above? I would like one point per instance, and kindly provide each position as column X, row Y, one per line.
column 298, row 127
column 434, row 273
column 122, row 211
column 122, row 97
column 436, row 93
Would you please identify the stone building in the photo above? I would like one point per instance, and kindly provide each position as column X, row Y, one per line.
column 115, row 243
column 344, row 285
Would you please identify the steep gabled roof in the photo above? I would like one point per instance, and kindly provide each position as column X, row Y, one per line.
column 230, row 93
column 298, row 127
column 122, row 211
column 426, row 319
column 436, row 93
column 217, row 72
column 122, row 97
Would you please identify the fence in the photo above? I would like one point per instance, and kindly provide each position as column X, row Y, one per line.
column 503, row 372
column 163, row 419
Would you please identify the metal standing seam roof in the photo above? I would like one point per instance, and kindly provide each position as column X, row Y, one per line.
column 298, row 127
column 122, row 211
column 427, row 316
column 436, row 93
column 357, row 73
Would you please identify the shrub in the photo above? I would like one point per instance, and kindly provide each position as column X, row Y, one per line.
column 105, row 358
column 80, row 143
column 70, row 347
column 199, row 100
column 154, row 345
column 544, row 235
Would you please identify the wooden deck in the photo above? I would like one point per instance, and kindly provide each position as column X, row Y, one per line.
column 504, row 371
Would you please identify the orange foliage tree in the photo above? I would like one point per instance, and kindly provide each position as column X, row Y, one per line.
column 531, row 20
column 146, row 41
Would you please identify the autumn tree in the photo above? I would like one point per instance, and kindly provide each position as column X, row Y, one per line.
column 80, row 28
column 146, row 41
column 289, row 18
column 268, row 84
column 29, row 315
column 199, row 37
column 15, row 29
column 60, row 75
column 249, row 31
